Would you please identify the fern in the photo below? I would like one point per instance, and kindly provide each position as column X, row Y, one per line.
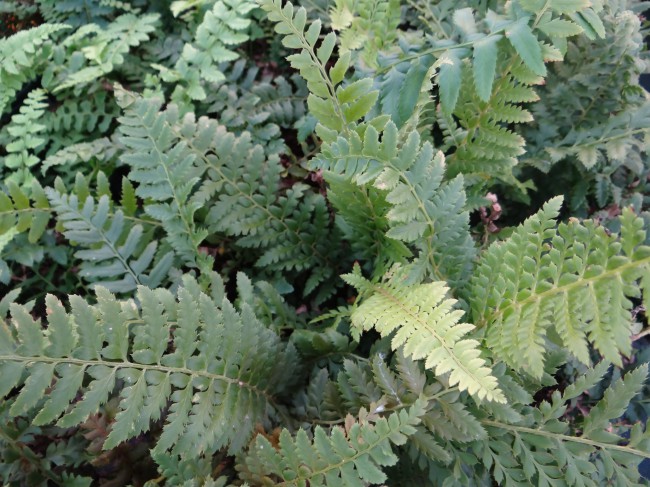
column 20, row 213
column 108, row 48
column 336, row 107
column 603, row 137
column 212, row 360
column 24, row 139
column 20, row 55
column 425, row 212
column 115, row 257
column 427, row 327
column 362, row 216
column 291, row 230
column 576, row 280
column 80, row 12
column 545, row 453
column 346, row 457
column 371, row 30
column 166, row 172
column 260, row 107
column 221, row 27
column 103, row 150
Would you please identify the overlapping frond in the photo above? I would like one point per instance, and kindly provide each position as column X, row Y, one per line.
column 542, row 449
column 336, row 106
column 194, row 355
column 166, row 172
column 19, row 55
column 24, row 137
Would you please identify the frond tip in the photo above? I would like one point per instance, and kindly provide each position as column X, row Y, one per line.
column 426, row 324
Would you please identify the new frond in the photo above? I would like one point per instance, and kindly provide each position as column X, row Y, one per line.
column 424, row 322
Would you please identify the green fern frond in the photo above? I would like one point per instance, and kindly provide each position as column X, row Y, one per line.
column 369, row 25
column 222, row 368
column 19, row 55
column 108, row 48
column 291, row 229
column 361, row 214
column 350, row 456
column 576, row 279
column 24, row 139
column 261, row 106
column 118, row 256
column 544, row 449
column 66, row 159
column 426, row 325
column 426, row 212
column 166, row 171
column 73, row 120
column 74, row 12
column 225, row 25
column 20, row 211
column 337, row 107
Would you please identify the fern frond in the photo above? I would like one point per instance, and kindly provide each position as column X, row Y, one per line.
column 292, row 230
column 337, row 107
column 222, row 368
column 258, row 106
column 78, row 120
column 20, row 211
column 427, row 327
column 108, row 48
column 103, row 150
column 544, row 449
column 25, row 138
column 369, row 25
column 19, row 55
column 426, row 212
column 347, row 456
column 361, row 214
column 225, row 25
column 576, row 280
column 166, row 172
column 117, row 255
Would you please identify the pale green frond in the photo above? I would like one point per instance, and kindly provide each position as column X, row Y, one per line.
column 422, row 320
column 576, row 279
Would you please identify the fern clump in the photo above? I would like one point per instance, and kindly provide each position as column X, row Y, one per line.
column 369, row 242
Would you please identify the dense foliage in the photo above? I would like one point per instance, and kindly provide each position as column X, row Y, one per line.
column 347, row 243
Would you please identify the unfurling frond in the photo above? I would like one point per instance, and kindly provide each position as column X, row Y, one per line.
column 425, row 323
column 576, row 279
column 211, row 366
